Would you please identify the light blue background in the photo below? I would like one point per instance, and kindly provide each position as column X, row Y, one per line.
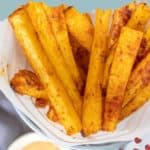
column 7, row 6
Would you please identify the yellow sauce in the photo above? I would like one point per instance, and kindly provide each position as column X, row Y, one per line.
column 41, row 146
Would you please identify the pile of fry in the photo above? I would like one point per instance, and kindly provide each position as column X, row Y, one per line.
column 91, row 75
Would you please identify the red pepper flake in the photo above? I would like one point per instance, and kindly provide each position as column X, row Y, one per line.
column 147, row 147
column 137, row 140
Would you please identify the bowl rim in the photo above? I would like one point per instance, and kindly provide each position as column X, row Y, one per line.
column 28, row 138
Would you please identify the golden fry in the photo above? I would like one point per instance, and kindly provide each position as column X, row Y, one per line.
column 48, row 41
column 138, row 101
column 92, row 106
column 80, row 27
column 139, row 78
column 120, row 18
column 125, row 54
column 140, row 17
column 57, row 95
column 59, row 27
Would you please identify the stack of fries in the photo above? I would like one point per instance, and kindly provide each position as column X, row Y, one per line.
column 91, row 75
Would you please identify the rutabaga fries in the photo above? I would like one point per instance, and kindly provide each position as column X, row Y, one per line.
column 59, row 27
column 124, row 57
column 80, row 27
column 27, row 83
column 139, row 78
column 92, row 105
column 120, row 18
column 139, row 100
column 104, row 19
column 43, row 28
column 140, row 17
column 56, row 92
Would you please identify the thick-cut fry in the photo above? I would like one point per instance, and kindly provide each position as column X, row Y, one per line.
column 140, row 17
column 80, row 27
column 59, row 27
column 138, row 101
column 48, row 41
column 92, row 106
column 57, row 95
column 120, row 18
column 139, row 78
column 124, row 57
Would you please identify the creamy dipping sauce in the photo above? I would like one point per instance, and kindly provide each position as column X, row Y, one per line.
column 41, row 146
